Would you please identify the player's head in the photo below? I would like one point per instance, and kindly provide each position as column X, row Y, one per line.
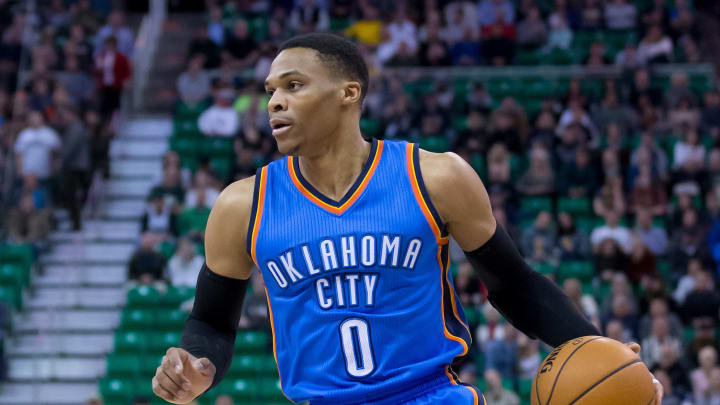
column 317, row 83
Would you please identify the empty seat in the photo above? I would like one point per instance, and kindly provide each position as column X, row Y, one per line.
column 137, row 319
column 116, row 389
column 581, row 269
column 143, row 297
column 123, row 365
column 177, row 295
column 170, row 319
column 579, row 206
column 534, row 205
column 251, row 342
column 130, row 342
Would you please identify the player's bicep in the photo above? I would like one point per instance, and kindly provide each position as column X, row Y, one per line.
column 226, row 231
column 460, row 198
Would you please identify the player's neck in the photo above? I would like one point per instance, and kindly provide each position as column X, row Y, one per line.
column 334, row 171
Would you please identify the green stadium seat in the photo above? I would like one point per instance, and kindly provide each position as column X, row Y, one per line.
column 251, row 342
column 534, row 205
column 177, row 295
column 581, row 269
column 339, row 24
column 239, row 388
column 544, row 268
column 130, row 342
column 143, row 387
column 150, row 363
column 193, row 219
column 478, row 162
column 12, row 275
column 537, row 87
column 269, row 389
column 528, row 58
column 664, row 268
column 137, row 319
column 586, row 223
column 186, row 112
column 222, row 166
column 123, row 365
column 524, row 389
column 243, row 365
column 160, row 342
column 434, row 143
column 11, row 296
column 575, row 206
column 143, row 297
column 370, row 127
column 170, row 319
column 185, row 146
column 186, row 128
column 266, row 365
column 115, row 389
column 501, row 87
column 217, row 146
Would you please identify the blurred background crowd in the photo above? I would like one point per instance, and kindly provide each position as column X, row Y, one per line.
column 593, row 124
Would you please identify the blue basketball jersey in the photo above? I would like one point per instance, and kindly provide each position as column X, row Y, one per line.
column 361, row 303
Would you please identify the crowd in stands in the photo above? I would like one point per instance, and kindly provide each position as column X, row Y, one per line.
column 609, row 185
column 62, row 68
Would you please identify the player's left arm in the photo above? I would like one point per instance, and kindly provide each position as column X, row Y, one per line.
column 531, row 302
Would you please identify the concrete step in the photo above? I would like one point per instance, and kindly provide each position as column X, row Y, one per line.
column 125, row 168
column 77, row 298
column 106, row 253
column 68, row 321
column 138, row 147
column 49, row 368
column 125, row 210
column 47, row 393
column 158, row 127
column 123, row 228
column 78, row 275
column 64, row 344
column 130, row 188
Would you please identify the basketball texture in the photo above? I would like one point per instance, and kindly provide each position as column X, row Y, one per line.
column 592, row 370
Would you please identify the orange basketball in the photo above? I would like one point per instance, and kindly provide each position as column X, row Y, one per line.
column 592, row 370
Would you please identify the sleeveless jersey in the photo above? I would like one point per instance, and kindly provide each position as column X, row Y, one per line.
column 361, row 303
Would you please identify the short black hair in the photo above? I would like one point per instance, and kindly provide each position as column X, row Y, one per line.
column 338, row 53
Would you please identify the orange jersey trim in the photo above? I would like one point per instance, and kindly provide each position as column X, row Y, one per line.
column 453, row 296
column 442, row 308
column 258, row 213
column 347, row 204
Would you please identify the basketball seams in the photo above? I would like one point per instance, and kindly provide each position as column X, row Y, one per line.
column 617, row 370
column 552, row 390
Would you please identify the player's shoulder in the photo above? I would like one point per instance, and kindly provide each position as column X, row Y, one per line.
column 444, row 171
column 235, row 201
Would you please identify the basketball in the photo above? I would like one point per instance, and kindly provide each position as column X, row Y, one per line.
column 592, row 370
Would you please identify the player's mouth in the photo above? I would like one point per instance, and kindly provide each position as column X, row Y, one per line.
column 279, row 126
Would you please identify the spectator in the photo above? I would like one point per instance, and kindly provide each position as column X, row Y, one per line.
column 185, row 264
column 113, row 71
column 460, row 17
column 584, row 302
column 597, row 56
column 610, row 197
column 26, row 223
column 220, row 119
column 612, row 230
column 202, row 183
column 702, row 376
column 628, row 58
column 659, row 309
column 170, row 188
column 621, row 311
column 308, row 16
column 655, row 47
column 532, row 31
column 573, row 243
column 35, row 147
column 539, row 179
column 654, row 237
column 493, row 329
column 620, row 15
column 242, row 50
column 201, row 44
column 467, row 51
column 641, row 88
column 193, row 85
column 498, row 41
column 538, row 240
column 591, row 16
column 255, row 309
column 85, row 16
column 560, row 35
column 688, row 240
column 368, row 29
column 146, row 265
column 488, row 11
column 216, row 29
column 681, row 19
column 710, row 118
column 100, row 134
column 642, row 263
column 669, row 362
column 501, row 354
column 659, row 337
column 116, row 28
column 79, row 47
column 158, row 218
column 78, row 83
column 703, row 302
column 496, row 393
column 468, row 285
column 614, row 330
column 75, row 157
column 648, row 194
column 610, row 259
column 224, row 400
column 686, row 284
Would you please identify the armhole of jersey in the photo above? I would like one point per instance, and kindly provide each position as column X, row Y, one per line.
column 256, row 211
column 421, row 194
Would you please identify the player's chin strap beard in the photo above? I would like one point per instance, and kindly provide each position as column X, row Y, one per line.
column 531, row 302
column 211, row 328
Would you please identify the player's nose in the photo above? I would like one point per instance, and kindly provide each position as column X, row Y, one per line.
column 277, row 102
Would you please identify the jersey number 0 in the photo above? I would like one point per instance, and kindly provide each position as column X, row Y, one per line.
column 355, row 339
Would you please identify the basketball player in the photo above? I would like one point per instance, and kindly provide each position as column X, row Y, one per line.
column 351, row 238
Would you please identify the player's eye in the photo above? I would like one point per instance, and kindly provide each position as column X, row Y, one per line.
column 294, row 85
column 270, row 92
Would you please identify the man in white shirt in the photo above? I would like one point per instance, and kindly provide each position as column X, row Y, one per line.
column 612, row 230
column 185, row 264
column 34, row 147
column 220, row 119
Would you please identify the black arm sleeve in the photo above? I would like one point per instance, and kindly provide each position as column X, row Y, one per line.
column 211, row 328
column 530, row 301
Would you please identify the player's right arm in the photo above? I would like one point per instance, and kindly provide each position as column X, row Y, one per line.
column 206, row 346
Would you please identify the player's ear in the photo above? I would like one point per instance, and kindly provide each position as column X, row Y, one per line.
column 352, row 91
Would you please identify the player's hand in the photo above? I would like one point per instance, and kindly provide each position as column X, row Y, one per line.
column 659, row 391
column 181, row 377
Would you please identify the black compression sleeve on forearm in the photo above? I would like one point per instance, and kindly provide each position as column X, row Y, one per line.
column 530, row 301
column 211, row 328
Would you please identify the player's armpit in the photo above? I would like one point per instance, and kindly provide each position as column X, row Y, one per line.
column 460, row 198
column 227, row 229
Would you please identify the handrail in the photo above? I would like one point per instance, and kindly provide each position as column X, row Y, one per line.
column 145, row 46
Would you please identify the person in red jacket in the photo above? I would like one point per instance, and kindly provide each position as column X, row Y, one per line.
column 113, row 71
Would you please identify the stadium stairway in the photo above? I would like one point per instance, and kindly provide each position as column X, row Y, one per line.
column 61, row 339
